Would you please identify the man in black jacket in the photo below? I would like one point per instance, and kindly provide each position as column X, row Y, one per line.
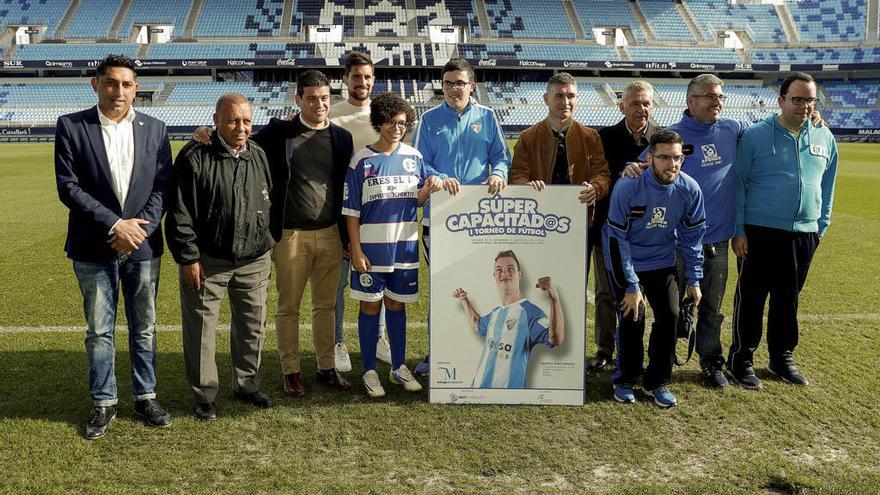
column 623, row 143
column 218, row 231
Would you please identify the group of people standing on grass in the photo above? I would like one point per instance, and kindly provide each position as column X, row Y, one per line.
column 330, row 196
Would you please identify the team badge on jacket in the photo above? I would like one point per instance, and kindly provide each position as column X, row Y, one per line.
column 710, row 155
column 658, row 218
column 476, row 127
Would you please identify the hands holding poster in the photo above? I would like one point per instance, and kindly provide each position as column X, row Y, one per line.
column 508, row 296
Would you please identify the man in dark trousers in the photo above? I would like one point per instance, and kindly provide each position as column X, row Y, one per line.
column 218, row 232
column 622, row 143
column 112, row 166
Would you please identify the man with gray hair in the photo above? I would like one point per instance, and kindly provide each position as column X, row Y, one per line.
column 218, row 232
column 622, row 143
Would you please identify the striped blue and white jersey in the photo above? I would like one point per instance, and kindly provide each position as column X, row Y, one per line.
column 382, row 191
column 510, row 333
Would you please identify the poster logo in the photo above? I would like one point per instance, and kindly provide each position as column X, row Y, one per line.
column 508, row 216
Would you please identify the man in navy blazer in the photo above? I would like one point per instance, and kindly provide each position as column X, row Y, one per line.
column 112, row 166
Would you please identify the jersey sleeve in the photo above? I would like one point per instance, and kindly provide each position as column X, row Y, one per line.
column 617, row 238
column 539, row 327
column 351, row 196
column 690, row 238
column 483, row 325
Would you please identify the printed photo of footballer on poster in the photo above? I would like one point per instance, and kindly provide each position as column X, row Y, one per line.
column 508, row 285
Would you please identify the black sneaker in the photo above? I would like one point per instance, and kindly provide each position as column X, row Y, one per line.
column 256, row 398
column 788, row 373
column 101, row 418
column 205, row 411
column 714, row 377
column 152, row 413
column 745, row 377
column 598, row 362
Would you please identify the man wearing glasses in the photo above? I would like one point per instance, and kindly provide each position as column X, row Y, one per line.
column 648, row 216
column 785, row 172
column 462, row 140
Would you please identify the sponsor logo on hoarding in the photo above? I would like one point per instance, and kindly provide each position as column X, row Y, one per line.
column 742, row 67
column 14, row 132
column 531, row 63
column 286, row 62
column 57, row 63
column 660, row 65
column 239, row 62
column 830, row 67
column 194, row 63
column 575, row 64
column 610, row 64
column 703, row 66
column 12, row 63
column 488, row 62
column 869, row 132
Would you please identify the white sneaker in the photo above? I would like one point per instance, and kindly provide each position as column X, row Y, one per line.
column 404, row 378
column 371, row 383
column 340, row 354
column 383, row 350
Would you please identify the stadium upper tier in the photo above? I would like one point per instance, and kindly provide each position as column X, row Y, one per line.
column 643, row 21
column 847, row 104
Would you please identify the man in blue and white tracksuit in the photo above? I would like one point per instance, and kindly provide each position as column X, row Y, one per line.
column 646, row 216
column 786, row 169
column 710, row 150
column 462, row 140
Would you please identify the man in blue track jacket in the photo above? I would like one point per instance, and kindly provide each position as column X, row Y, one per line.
column 645, row 217
column 785, row 171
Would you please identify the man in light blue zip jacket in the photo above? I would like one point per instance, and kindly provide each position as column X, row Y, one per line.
column 463, row 141
column 786, row 169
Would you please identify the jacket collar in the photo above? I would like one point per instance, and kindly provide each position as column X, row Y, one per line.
column 692, row 124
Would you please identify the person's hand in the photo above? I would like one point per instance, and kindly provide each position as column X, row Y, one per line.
column 202, row 135
column 451, row 185
column 632, row 303
column 496, row 184
column 291, row 116
column 546, row 285
column 128, row 234
column 587, row 194
column 192, row 275
column 695, row 294
column 360, row 262
column 634, row 170
column 816, row 119
column 460, row 294
column 740, row 246
column 433, row 183
column 537, row 184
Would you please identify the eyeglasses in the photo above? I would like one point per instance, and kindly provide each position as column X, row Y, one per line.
column 801, row 101
column 400, row 124
column 455, row 84
column 711, row 97
column 666, row 158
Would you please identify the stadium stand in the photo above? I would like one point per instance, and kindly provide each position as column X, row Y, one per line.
column 665, row 20
column 242, row 18
column 337, row 12
column 829, row 20
column 454, row 12
column 759, row 21
column 422, row 54
column 515, row 92
column 684, row 54
column 607, row 13
column 527, row 19
column 535, row 52
column 155, row 12
column 861, row 93
column 34, row 12
column 93, row 19
column 74, row 51
column 232, row 50
column 385, row 18
column 816, row 55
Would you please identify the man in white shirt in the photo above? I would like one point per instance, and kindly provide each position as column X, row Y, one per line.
column 353, row 115
column 112, row 166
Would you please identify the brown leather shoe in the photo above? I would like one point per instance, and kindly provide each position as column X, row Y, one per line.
column 332, row 379
column 293, row 385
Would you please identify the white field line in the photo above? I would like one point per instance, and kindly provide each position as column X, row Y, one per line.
column 415, row 325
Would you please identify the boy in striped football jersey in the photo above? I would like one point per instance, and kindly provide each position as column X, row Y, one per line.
column 386, row 183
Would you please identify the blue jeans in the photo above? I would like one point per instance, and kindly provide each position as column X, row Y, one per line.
column 340, row 304
column 99, row 284
column 709, row 317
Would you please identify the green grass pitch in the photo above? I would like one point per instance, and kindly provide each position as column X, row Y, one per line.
column 824, row 438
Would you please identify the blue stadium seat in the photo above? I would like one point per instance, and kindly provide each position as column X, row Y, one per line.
column 71, row 51
column 759, row 21
column 665, row 21
column 232, row 50
column 860, row 93
column 34, row 12
column 684, row 54
column 816, row 56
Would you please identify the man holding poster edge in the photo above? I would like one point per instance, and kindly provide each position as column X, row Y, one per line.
column 512, row 330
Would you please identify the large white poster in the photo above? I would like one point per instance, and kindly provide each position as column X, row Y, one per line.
column 508, row 296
